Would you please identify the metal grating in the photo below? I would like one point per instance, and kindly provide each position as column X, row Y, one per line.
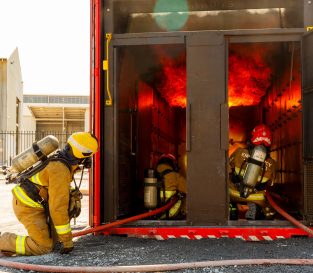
column 308, row 190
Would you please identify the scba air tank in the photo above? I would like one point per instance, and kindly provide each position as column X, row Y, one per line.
column 150, row 189
column 33, row 154
column 254, row 168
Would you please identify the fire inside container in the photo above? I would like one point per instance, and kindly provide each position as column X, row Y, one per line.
column 152, row 116
column 264, row 86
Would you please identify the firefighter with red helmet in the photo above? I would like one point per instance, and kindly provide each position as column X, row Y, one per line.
column 252, row 170
column 172, row 183
column 43, row 203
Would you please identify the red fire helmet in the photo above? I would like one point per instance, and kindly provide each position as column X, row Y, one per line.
column 261, row 135
column 168, row 159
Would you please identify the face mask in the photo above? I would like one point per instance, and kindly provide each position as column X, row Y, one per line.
column 67, row 154
column 87, row 162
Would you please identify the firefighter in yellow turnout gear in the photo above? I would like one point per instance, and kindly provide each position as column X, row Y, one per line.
column 247, row 184
column 53, row 183
column 174, row 183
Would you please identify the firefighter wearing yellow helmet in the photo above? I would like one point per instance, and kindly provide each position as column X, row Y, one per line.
column 46, row 228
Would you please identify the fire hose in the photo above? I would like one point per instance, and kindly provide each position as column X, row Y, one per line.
column 286, row 215
column 127, row 220
column 163, row 267
column 153, row 267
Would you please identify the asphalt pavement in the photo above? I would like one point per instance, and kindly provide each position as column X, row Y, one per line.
column 103, row 250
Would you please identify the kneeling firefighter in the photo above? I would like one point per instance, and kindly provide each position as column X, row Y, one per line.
column 252, row 170
column 44, row 201
column 171, row 183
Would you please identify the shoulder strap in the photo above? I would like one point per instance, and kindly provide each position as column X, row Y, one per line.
column 29, row 173
column 43, row 164
column 64, row 161
column 165, row 172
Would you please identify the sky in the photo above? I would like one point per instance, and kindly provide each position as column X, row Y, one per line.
column 53, row 40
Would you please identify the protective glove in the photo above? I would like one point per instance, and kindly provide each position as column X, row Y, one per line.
column 235, row 178
column 181, row 195
column 66, row 247
column 74, row 208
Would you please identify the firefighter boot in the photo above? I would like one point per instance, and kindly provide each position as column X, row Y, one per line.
column 251, row 213
column 233, row 213
column 269, row 213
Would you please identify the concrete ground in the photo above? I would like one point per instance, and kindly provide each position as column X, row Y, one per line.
column 116, row 250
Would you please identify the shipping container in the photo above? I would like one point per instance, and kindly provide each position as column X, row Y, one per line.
column 193, row 78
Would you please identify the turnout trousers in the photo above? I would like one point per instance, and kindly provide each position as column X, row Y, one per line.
column 37, row 242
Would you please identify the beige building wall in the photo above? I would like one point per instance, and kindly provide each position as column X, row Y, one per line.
column 87, row 125
column 3, row 93
column 28, row 120
column 11, row 97
column 56, row 113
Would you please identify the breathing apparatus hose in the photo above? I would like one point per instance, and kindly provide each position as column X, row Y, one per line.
column 286, row 215
column 127, row 220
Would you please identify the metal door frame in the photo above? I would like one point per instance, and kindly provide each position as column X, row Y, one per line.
column 232, row 36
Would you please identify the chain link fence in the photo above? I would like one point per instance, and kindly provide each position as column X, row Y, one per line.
column 13, row 143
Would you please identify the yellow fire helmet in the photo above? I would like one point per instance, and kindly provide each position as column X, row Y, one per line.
column 83, row 144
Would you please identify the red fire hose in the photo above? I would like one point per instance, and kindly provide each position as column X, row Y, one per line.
column 127, row 220
column 287, row 216
column 153, row 267
column 163, row 267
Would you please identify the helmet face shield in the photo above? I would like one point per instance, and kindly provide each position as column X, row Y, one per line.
column 83, row 144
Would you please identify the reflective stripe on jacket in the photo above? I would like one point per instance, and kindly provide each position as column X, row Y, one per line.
column 173, row 183
column 20, row 245
column 238, row 162
column 35, row 179
column 63, row 229
column 242, row 172
column 56, row 179
column 21, row 195
column 176, row 207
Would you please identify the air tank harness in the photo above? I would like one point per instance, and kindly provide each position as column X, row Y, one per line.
column 34, row 193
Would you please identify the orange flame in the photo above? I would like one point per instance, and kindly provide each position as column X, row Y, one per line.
column 249, row 79
column 173, row 83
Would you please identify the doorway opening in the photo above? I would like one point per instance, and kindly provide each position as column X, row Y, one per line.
column 264, row 87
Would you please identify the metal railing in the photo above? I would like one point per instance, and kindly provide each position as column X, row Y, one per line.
column 13, row 143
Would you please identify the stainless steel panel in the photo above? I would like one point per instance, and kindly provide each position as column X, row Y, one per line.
column 308, row 13
column 206, row 180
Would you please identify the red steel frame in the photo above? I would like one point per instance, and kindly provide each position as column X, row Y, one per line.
column 162, row 233
column 95, row 94
column 196, row 233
